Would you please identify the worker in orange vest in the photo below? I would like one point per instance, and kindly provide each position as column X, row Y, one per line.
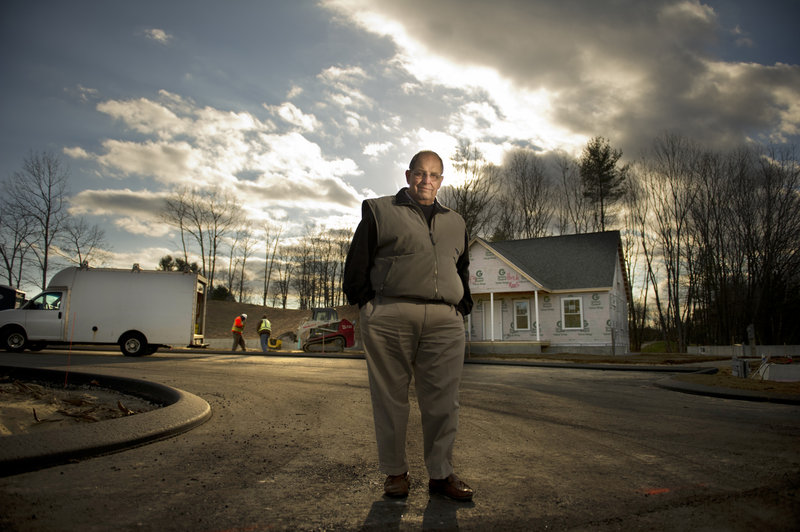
column 236, row 330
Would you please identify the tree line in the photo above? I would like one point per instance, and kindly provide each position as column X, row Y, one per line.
column 211, row 226
column 710, row 238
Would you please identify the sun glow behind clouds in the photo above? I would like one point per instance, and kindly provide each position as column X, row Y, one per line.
column 507, row 111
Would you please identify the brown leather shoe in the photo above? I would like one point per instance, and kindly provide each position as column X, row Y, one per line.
column 396, row 485
column 451, row 487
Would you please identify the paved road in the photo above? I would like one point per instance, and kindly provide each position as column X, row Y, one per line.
column 290, row 447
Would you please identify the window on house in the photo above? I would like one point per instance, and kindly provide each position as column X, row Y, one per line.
column 572, row 313
column 522, row 315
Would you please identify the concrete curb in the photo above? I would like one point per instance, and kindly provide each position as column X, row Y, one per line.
column 181, row 412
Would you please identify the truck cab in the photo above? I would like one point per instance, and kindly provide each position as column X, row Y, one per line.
column 41, row 317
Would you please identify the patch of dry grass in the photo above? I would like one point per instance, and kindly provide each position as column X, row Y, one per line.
column 724, row 379
column 648, row 359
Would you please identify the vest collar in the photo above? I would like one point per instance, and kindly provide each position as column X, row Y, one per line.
column 403, row 198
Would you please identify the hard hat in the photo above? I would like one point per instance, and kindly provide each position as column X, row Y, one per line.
column 244, row 316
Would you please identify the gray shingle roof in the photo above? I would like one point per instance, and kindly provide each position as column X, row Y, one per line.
column 565, row 262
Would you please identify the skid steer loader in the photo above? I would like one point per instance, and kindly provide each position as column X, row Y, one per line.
column 325, row 332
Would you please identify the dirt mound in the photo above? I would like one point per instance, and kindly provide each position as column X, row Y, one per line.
column 220, row 316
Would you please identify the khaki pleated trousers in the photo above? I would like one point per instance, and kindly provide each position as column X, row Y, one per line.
column 404, row 338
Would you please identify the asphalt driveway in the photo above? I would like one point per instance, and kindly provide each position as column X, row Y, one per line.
column 290, row 446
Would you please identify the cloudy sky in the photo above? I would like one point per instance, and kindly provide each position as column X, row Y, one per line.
column 303, row 108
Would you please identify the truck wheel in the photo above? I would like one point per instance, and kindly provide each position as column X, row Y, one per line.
column 14, row 339
column 133, row 344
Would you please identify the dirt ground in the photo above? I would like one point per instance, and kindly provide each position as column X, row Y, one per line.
column 34, row 407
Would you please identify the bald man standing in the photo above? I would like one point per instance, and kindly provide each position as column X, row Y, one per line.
column 408, row 271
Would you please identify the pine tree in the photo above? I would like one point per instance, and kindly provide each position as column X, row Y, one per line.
column 603, row 181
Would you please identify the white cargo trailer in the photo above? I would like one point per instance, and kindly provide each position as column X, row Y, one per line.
column 139, row 310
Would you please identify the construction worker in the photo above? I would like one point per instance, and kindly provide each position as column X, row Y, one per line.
column 264, row 330
column 236, row 330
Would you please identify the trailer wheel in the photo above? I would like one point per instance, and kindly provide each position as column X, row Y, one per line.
column 14, row 339
column 133, row 344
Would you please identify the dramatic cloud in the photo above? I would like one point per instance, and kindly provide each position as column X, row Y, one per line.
column 135, row 212
column 118, row 201
column 186, row 145
column 626, row 70
column 301, row 111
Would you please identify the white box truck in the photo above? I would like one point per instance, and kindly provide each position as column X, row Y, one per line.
column 139, row 310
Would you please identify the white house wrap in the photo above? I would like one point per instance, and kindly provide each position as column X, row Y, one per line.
column 555, row 294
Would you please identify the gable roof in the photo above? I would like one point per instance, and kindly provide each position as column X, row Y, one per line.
column 570, row 262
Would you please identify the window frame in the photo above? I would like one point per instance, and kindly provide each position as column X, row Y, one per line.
column 527, row 314
column 564, row 302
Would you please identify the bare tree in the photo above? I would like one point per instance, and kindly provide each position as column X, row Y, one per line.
column 526, row 204
column 270, row 249
column 239, row 250
column 246, row 243
column 220, row 213
column 233, row 267
column 316, row 263
column 670, row 180
column 473, row 198
column 719, row 234
column 39, row 190
column 341, row 244
column 320, row 269
column 15, row 237
column 773, row 246
column 285, row 269
column 175, row 213
column 573, row 207
column 718, row 287
column 303, row 281
column 634, row 248
column 81, row 243
column 329, row 254
column 207, row 216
